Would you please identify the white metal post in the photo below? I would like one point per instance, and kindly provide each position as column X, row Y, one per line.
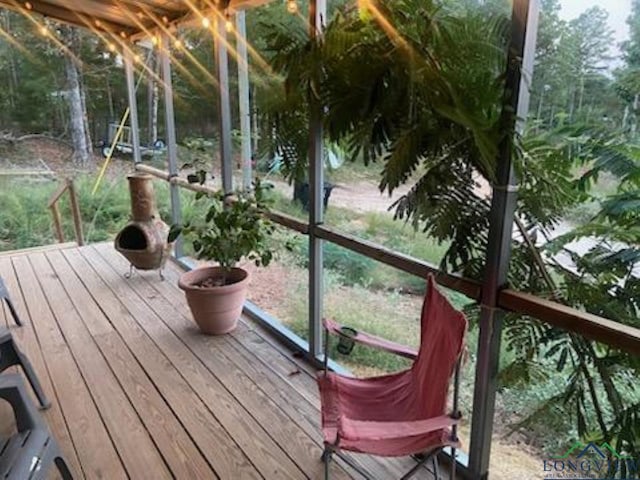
column 170, row 130
column 133, row 106
column 317, row 14
column 243, row 99
column 224, row 107
column 503, row 205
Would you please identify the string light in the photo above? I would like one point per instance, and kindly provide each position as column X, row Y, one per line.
column 44, row 31
column 98, row 23
column 206, row 23
column 137, row 58
column 28, row 5
column 177, row 44
column 165, row 19
column 123, row 34
column 111, row 47
column 292, row 6
column 155, row 41
column 228, row 24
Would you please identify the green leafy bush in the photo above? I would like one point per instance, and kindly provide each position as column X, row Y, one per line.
column 234, row 227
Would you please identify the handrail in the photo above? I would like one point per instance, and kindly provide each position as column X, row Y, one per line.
column 280, row 218
column 600, row 329
column 67, row 186
column 591, row 326
column 403, row 262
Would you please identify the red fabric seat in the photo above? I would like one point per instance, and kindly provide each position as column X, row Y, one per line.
column 402, row 413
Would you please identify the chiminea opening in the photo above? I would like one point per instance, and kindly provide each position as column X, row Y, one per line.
column 132, row 238
column 143, row 241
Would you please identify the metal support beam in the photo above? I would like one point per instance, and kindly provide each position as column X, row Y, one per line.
column 170, row 128
column 317, row 14
column 243, row 99
column 133, row 106
column 516, row 105
column 224, row 106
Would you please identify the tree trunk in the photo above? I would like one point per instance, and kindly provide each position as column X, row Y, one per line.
column 85, row 115
column 13, row 78
column 77, row 109
column 572, row 104
column 110, row 101
column 254, row 131
column 153, row 100
column 581, row 98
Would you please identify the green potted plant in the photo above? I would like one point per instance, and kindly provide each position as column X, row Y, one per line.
column 234, row 228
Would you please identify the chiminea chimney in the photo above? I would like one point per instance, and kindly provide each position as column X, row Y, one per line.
column 143, row 241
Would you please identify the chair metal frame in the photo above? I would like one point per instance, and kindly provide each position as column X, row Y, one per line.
column 421, row 457
column 32, row 450
column 11, row 355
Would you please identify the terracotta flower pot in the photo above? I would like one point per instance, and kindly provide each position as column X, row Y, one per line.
column 216, row 310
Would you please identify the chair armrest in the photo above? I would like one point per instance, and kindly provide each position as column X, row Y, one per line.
column 372, row 341
column 12, row 390
column 366, row 430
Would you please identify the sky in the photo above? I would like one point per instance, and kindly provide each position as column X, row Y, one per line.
column 618, row 10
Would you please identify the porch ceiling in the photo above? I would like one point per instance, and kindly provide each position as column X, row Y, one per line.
column 133, row 17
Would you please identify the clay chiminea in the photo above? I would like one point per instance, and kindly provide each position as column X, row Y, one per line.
column 143, row 241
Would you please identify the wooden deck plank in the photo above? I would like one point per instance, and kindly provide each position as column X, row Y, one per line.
column 41, row 248
column 177, row 448
column 26, row 339
column 265, row 454
column 8, row 424
column 131, row 439
column 121, row 359
column 299, row 378
column 97, row 455
column 216, row 444
column 303, row 446
column 297, row 393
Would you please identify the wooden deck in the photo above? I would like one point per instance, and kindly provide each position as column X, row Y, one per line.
column 138, row 393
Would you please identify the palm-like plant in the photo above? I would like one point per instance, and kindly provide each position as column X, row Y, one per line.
column 417, row 86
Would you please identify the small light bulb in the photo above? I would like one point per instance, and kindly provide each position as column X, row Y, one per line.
column 44, row 31
column 154, row 41
column 28, row 5
column 123, row 34
column 206, row 23
column 137, row 58
column 98, row 23
column 292, row 6
column 177, row 43
column 228, row 24
column 165, row 19
column 111, row 47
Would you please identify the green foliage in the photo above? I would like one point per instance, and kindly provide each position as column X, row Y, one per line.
column 434, row 122
column 233, row 228
column 570, row 82
column 26, row 221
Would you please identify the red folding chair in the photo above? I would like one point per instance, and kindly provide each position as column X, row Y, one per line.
column 403, row 413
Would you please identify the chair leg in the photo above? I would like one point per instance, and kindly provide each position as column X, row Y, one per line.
column 326, row 459
column 63, row 468
column 418, row 466
column 454, row 464
column 436, row 467
column 13, row 312
column 33, row 379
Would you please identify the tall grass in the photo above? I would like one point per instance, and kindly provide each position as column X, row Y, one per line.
column 25, row 220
